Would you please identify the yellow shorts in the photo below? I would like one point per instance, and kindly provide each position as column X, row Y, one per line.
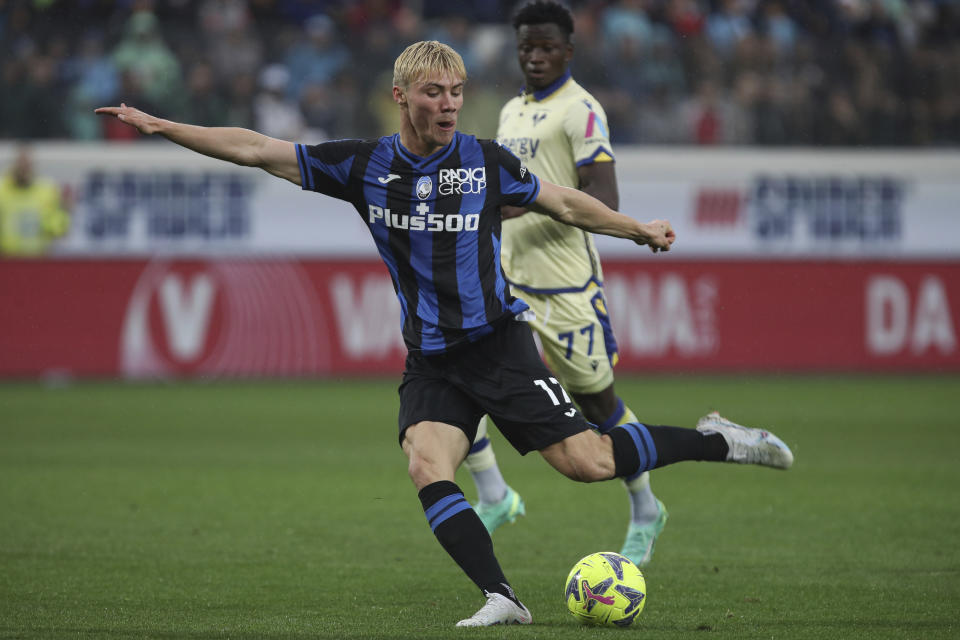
column 577, row 339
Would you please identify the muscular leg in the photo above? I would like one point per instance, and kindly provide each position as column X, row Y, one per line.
column 434, row 451
column 630, row 449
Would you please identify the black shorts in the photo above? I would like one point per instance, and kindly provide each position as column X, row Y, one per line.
column 501, row 375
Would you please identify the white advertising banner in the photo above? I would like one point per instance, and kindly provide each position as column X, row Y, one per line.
column 154, row 198
column 797, row 204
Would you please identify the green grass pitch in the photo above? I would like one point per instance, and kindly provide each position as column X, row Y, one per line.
column 283, row 510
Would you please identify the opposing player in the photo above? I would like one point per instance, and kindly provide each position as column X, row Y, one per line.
column 559, row 131
column 431, row 198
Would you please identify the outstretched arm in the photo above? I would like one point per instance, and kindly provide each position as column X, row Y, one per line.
column 582, row 210
column 233, row 144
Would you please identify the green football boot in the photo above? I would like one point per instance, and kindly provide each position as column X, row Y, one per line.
column 498, row 513
column 642, row 537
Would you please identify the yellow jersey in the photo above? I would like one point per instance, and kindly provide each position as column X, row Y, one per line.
column 553, row 131
column 30, row 217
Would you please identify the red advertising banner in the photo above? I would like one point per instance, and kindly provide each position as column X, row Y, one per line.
column 262, row 318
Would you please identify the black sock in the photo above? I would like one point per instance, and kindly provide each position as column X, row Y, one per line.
column 638, row 447
column 462, row 535
column 675, row 444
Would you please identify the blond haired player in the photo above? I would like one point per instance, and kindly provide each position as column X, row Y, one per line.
column 431, row 197
column 559, row 131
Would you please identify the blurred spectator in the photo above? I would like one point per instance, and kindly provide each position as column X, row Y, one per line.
column 92, row 72
column 317, row 57
column 233, row 47
column 132, row 93
column 589, row 60
column 709, row 118
column 319, row 111
column 240, row 96
column 625, row 26
column 661, row 66
column 31, row 213
column 275, row 115
column 842, row 125
column 155, row 69
column 95, row 82
column 727, row 27
column 657, row 121
column 206, row 107
column 779, row 27
column 219, row 17
column 768, row 124
column 35, row 103
column 781, row 69
column 686, row 18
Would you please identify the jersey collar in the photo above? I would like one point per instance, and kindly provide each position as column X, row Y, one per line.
column 419, row 162
column 549, row 90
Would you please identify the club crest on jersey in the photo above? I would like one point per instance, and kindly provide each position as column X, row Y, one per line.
column 462, row 180
column 424, row 187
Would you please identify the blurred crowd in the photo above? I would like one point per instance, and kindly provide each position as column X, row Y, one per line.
column 731, row 72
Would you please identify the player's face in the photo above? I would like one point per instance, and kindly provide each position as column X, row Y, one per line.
column 432, row 105
column 544, row 53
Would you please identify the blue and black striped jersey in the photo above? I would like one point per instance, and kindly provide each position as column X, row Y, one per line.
column 436, row 223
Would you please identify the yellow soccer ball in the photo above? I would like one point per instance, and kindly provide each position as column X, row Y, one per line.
column 606, row 589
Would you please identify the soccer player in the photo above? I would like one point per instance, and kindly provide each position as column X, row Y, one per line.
column 559, row 131
column 431, row 198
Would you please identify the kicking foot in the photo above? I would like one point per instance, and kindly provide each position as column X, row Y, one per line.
column 748, row 446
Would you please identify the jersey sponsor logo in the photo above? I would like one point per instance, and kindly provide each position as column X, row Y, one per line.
column 389, row 178
column 433, row 222
column 462, row 180
column 424, row 187
column 525, row 148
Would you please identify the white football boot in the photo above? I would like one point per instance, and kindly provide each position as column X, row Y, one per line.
column 498, row 610
column 748, row 446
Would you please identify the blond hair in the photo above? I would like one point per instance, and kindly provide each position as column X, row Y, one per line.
column 422, row 59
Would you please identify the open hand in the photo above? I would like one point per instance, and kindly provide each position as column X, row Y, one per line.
column 143, row 122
